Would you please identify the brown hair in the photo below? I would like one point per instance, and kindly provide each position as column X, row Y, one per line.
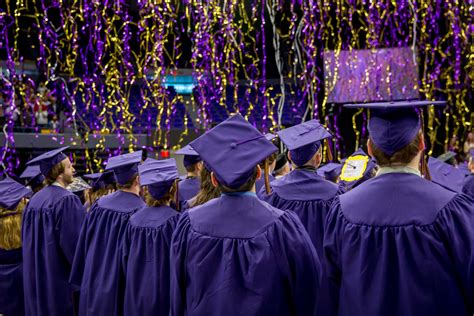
column 247, row 186
column 10, row 226
column 192, row 168
column 207, row 191
column 270, row 159
column 128, row 184
column 403, row 156
column 54, row 173
column 165, row 200
column 92, row 195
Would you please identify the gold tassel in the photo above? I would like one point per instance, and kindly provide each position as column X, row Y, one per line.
column 266, row 176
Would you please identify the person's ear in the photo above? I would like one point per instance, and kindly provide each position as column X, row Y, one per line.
column 422, row 145
column 259, row 172
column 370, row 149
column 214, row 181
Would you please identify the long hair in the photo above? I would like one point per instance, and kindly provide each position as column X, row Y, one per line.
column 92, row 195
column 10, row 226
column 164, row 200
column 207, row 191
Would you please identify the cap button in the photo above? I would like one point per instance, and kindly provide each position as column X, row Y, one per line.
column 233, row 145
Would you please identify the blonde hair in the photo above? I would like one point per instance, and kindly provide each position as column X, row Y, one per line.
column 10, row 226
column 165, row 200
column 92, row 195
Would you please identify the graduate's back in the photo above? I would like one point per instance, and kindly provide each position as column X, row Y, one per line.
column 404, row 246
column 399, row 244
column 237, row 255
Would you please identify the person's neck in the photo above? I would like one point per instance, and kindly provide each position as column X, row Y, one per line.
column 192, row 175
column 133, row 190
column 61, row 183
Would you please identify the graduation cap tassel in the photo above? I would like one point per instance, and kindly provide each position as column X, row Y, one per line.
column 176, row 195
column 425, row 170
column 266, row 176
column 329, row 156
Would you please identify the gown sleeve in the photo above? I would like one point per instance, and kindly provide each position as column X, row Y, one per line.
column 332, row 258
column 178, row 253
column 77, row 269
column 456, row 222
column 70, row 217
column 297, row 258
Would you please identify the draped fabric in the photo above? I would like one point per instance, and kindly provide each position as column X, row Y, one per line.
column 237, row 255
column 11, row 283
column 400, row 245
column 97, row 270
column 50, row 229
column 145, row 253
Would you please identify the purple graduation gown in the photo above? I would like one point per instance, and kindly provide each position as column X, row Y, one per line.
column 146, row 251
column 11, row 283
column 237, row 255
column 260, row 183
column 51, row 224
column 401, row 245
column 308, row 195
column 468, row 186
column 97, row 268
column 188, row 188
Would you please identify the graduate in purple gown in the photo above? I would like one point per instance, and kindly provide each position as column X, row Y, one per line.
column 51, row 224
column 304, row 191
column 399, row 244
column 102, row 183
column 189, row 187
column 237, row 255
column 96, row 270
column 146, row 246
column 13, row 198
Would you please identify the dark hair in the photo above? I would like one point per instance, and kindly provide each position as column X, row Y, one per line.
column 270, row 159
column 192, row 168
column 402, row 156
column 128, row 184
column 247, row 186
column 54, row 173
column 207, row 191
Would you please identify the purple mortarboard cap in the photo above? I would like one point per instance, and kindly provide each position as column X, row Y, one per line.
column 100, row 180
column 33, row 175
column 190, row 158
column 394, row 125
column 270, row 136
column 11, row 192
column 30, row 172
column 49, row 159
column 330, row 171
column 158, row 175
column 303, row 140
column 446, row 175
column 446, row 156
column 232, row 150
column 124, row 166
column 354, row 167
